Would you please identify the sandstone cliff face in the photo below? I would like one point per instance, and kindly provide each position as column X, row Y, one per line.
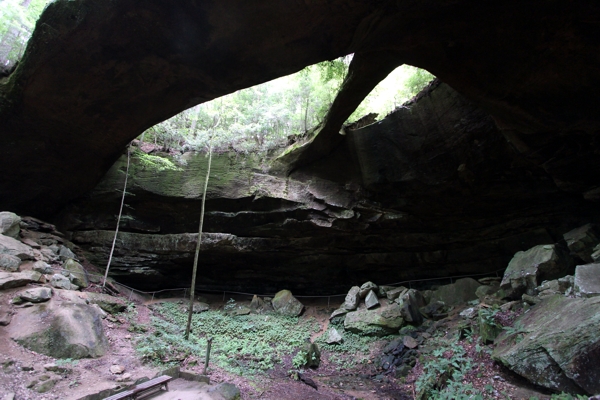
column 435, row 189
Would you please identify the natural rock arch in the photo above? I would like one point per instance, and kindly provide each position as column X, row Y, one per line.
column 94, row 76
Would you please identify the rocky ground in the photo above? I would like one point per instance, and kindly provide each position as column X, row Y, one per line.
column 526, row 335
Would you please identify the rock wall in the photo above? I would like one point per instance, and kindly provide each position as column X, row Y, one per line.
column 433, row 190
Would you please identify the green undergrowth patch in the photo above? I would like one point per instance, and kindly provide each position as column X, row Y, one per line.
column 244, row 345
column 354, row 349
column 444, row 372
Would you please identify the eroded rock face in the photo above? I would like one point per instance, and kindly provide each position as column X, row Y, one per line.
column 432, row 190
column 557, row 345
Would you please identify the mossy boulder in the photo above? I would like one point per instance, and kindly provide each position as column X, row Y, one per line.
column 528, row 269
column 60, row 330
column 286, row 304
column 556, row 345
column 459, row 292
column 379, row 322
column 78, row 274
column 108, row 303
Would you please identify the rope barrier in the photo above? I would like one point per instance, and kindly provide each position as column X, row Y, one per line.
column 328, row 297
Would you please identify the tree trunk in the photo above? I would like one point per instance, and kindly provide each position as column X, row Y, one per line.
column 112, row 249
column 196, row 255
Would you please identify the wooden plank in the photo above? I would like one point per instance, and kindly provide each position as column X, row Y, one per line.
column 154, row 382
column 144, row 389
column 123, row 395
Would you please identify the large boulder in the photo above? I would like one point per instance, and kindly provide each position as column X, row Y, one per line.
column 13, row 247
column 60, row 330
column 459, row 292
column 582, row 241
column 556, row 345
column 9, row 224
column 285, row 303
column 11, row 280
column 528, row 269
column 78, row 274
column 587, row 280
column 378, row 322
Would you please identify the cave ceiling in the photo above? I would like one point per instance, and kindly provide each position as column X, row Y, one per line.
column 97, row 74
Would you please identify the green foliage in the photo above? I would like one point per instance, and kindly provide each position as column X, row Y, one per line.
column 353, row 350
column 16, row 25
column 154, row 163
column 443, row 373
column 272, row 115
column 243, row 344
column 66, row 362
column 489, row 316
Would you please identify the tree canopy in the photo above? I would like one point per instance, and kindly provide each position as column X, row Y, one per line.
column 276, row 113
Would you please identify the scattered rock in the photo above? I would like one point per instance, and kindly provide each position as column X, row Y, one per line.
column 469, row 313
column 240, row 310
column 532, row 300
column 338, row 316
column 435, row 310
column 53, row 367
column 60, row 330
column 487, row 290
column 227, row 391
column 77, row 272
column 365, row 288
column 60, row 281
column 257, row 303
column 9, row 396
column 460, row 292
column 5, row 317
column 311, row 354
column 528, row 268
column 352, row 299
column 410, row 342
column 587, row 280
column 9, row 224
column 124, row 377
column 382, row 290
column 46, row 385
column 42, row 267
column 10, row 280
column 582, row 241
column 286, row 304
column 334, row 337
column 371, row 301
column 378, row 322
column 36, row 295
column 9, row 262
column 393, row 294
column 557, row 345
column 116, row 369
column 65, row 253
column 410, row 303
column 111, row 304
column 13, row 247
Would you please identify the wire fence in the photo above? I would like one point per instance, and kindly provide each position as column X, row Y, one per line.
column 154, row 293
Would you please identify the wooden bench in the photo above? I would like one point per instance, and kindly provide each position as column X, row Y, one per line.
column 143, row 389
